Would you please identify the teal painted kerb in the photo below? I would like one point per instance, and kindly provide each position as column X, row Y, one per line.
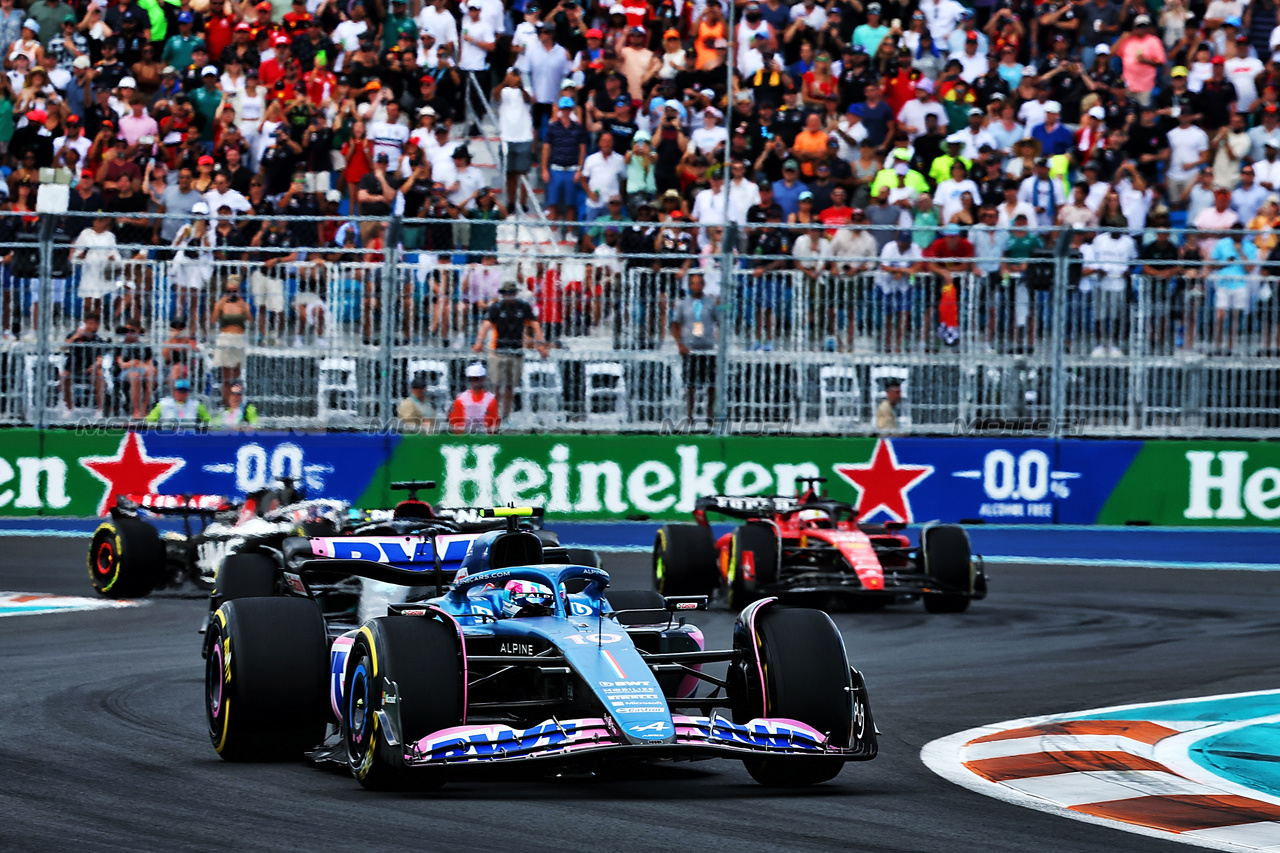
column 1224, row 710
column 1249, row 756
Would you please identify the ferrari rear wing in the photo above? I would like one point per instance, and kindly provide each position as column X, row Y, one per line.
column 745, row 507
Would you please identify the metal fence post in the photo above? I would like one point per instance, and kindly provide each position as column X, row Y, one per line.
column 1061, row 282
column 390, row 307
column 729, row 296
column 40, row 376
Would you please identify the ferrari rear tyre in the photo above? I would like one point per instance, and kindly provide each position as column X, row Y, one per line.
column 420, row 656
column 806, row 678
column 753, row 563
column 245, row 576
column 126, row 558
column 267, row 679
column 948, row 560
column 684, row 560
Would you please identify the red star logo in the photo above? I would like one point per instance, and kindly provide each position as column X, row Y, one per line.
column 131, row 471
column 882, row 483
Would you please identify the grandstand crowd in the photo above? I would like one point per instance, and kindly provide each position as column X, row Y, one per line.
column 899, row 138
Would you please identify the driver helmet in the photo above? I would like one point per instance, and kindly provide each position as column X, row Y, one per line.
column 528, row 598
column 812, row 514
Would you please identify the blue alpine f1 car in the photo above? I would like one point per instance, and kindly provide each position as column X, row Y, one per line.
column 520, row 661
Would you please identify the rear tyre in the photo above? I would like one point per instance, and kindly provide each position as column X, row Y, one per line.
column 948, row 560
column 806, row 678
column 684, row 560
column 267, row 679
column 126, row 558
column 420, row 655
column 753, row 563
column 653, row 605
column 246, row 576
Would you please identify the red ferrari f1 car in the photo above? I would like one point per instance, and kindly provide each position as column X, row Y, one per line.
column 814, row 547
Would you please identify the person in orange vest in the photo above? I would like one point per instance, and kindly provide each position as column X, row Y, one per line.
column 477, row 407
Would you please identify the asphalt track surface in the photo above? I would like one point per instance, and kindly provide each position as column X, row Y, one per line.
column 103, row 744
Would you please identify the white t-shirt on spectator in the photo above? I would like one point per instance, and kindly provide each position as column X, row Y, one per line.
column 896, row 257
column 942, row 17
column 474, row 58
column 816, row 19
column 1241, row 73
column 705, row 139
column 708, row 206
column 515, row 116
column 1186, row 144
column 1097, row 194
column 494, row 13
column 441, row 156
column 973, row 140
column 743, row 195
column 546, row 70
column 525, row 37
column 347, row 36
column 1220, row 10
column 913, row 112
column 948, row 194
column 1031, row 113
column 603, row 174
column 231, row 198
column 856, row 130
column 1134, row 204
column 1265, row 172
column 81, row 144
column 388, row 139
column 442, row 25
column 971, row 67
column 1113, row 253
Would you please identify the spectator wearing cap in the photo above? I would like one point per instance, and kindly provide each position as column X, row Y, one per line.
column 133, row 367
column 973, row 64
column 178, row 47
column 711, row 136
column 1141, row 56
column 1267, row 170
column 73, row 138
column 1267, row 129
column 1189, row 151
column 564, row 150
column 478, row 40
column 207, row 100
column 476, row 409
column 709, row 28
column 179, row 408
column 437, row 19
column 65, row 46
column 869, row 34
column 502, row 333
column 638, row 62
column 1043, row 193
column 1242, row 69
column 348, row 34
column 417, row 411
column 1052, row 134
column 911, row 116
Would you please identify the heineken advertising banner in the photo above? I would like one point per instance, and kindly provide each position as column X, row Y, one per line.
column 1034, row 481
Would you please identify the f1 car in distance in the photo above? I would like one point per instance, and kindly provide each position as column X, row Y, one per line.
column 527, row 663
column 130, row 557
column 811, row 545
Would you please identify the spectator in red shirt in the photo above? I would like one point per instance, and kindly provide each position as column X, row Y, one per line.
column 477, row 407
column 943, row 258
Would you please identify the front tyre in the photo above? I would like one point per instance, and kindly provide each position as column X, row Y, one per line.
column 126, row 558
column 420, row 655
column 266, row 679
column 806, row 677
column 948, row 560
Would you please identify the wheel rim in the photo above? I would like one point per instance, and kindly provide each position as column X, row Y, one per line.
column 104, row 560
column 213, row 682
column 359, row 717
